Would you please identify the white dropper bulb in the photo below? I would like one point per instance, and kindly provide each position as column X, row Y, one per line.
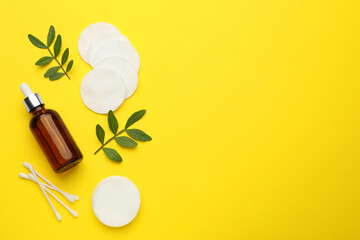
column 26, row 90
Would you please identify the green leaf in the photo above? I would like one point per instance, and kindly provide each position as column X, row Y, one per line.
column 112, row 154
column 57, row 45
column 56, row 76
column 69, row 66
column 134, row 118
column 138, row 135
column 51, row 35
column 65, row 56
column 113, row 123
column 51, row 71
column 100, row 133
column 43, row 61
column 125, row 141
column 36, row 41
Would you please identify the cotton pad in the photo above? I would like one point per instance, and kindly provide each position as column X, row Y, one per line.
column 117, row 48
column 89, row 33
column 102, row 89
column 116, row 201
column 125, row 69
column 101, row 39
column 115, row 65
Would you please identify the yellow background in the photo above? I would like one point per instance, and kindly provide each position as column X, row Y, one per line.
column 253, row 107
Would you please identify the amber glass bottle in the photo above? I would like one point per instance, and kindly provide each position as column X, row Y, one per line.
column 51, row 133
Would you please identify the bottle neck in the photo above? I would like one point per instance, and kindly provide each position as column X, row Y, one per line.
column 38, row 110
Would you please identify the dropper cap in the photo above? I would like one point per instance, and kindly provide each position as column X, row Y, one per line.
column 32, row 100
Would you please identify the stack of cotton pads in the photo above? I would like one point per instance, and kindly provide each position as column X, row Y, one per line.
column 115, row 63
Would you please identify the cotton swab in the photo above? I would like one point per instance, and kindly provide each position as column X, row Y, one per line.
column 30, row 167
column 56, row 198
column 70, row 198
column 33, row 176
column 58, row 189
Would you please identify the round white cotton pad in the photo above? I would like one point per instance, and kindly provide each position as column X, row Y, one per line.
column 116, row 201
column 125, row 69
column 120, row 49
column 101, row 39
column 102, row 89
column 89, row 33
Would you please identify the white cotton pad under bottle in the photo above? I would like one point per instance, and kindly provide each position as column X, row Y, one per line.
column 89, row 33
column 101, row 39
column 102, row 89
column 116, row 201
column 125, row 69
column 120, row 49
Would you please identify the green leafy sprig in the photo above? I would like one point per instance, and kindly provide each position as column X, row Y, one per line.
column 52, row 73
column 123, row 141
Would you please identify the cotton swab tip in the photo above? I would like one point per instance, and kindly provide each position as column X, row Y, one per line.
column 23, row 175
column 69, row 198
column 31, row 176
column 75, row 214
column 58, row 216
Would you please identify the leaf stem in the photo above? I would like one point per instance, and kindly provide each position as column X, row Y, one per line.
column 110, row 139
column 61, row 66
